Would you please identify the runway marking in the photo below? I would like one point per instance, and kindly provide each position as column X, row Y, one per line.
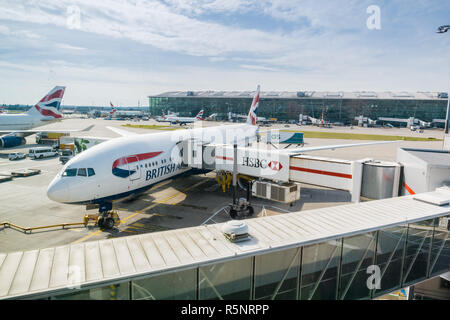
column 189, row 188
column 141, row 211
column 87, row 237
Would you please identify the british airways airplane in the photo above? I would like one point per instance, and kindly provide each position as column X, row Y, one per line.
column 184, row 120
column 132, row 164
column 15, row 127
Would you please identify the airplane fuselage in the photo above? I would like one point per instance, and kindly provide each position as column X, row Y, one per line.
column 130, row 165
column 22, row 121
column 181, row 120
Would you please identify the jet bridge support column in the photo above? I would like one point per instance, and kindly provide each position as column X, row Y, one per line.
column 235, row 169
column 357, row 173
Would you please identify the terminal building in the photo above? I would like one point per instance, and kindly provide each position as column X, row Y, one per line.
column 336, row 107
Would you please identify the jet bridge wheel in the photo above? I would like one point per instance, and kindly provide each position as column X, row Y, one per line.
column 241, row 210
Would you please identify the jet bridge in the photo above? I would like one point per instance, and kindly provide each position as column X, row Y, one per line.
column 356, row 251
column 367, row 178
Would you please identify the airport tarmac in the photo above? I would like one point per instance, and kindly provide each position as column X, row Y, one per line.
column 172, row 204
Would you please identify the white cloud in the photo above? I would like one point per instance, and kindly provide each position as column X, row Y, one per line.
column 325, row 46
column 69, row 47
column 257, row 67
column 4, row 30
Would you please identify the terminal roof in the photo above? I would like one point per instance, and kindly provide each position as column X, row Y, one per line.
column 386, row 95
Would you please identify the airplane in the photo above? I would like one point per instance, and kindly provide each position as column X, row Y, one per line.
column 113, row 109
column 101, row 113
column 164, row 118
column 443, row 29
column 184, row 120
column 132, row 164
column 320, row 122
column 212, row 117
column 232, row 116
column 123, row 114
column 15, row 127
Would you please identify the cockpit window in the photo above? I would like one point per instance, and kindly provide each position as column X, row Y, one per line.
column 82, row 172
column 91, row 172
column 70, row 173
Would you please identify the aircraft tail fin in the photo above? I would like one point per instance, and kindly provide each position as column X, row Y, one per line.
column 113, row 109
column 253, row 113
column 50, row 105
column 199, row 116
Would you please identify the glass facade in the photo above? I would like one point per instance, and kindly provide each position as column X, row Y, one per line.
column 173, row 286
column 363, row 266
column 320, row 267
column 440, row 248
column 229, row 280
column 357, row 256
column 276, row 275
column 389, row 258
column 334, row 110
column 119, row 291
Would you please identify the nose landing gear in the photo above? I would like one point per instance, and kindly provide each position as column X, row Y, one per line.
column 107, row 218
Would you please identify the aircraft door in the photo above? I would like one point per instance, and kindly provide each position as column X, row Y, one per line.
column 133, row 165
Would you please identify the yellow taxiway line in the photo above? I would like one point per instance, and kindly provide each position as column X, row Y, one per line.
column 92, row 234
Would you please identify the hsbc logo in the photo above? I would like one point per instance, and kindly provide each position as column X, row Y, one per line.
column 275, row 165
column 261, row 163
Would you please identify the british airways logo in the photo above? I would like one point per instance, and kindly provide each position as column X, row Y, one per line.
column 50, row 104
column 161, row 171
column 126, row 166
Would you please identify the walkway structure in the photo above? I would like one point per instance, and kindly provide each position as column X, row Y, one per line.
column 356, row 251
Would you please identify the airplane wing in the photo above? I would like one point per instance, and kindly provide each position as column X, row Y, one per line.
column 122, row 132
column 26, row 133
column 339, row 146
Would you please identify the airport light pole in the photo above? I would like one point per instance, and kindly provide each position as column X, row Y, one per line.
column 444, row 29
column 447, row 120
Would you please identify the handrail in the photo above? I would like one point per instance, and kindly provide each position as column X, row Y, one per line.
column 30, row 229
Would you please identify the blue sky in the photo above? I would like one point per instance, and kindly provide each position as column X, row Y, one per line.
column 125, row 50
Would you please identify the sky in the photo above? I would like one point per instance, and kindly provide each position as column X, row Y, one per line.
column 125, row 50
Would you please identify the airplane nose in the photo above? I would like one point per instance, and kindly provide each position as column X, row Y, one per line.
column 58, row 191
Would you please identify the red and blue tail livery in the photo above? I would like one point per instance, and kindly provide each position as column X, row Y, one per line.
column 49, row 105
column 199, row 116
column 253, row 113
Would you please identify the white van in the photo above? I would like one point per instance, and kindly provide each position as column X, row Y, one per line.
column 41, row 152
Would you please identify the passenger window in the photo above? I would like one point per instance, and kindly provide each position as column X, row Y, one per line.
column 82, row 172
column 91, row 172
column 70, row 173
